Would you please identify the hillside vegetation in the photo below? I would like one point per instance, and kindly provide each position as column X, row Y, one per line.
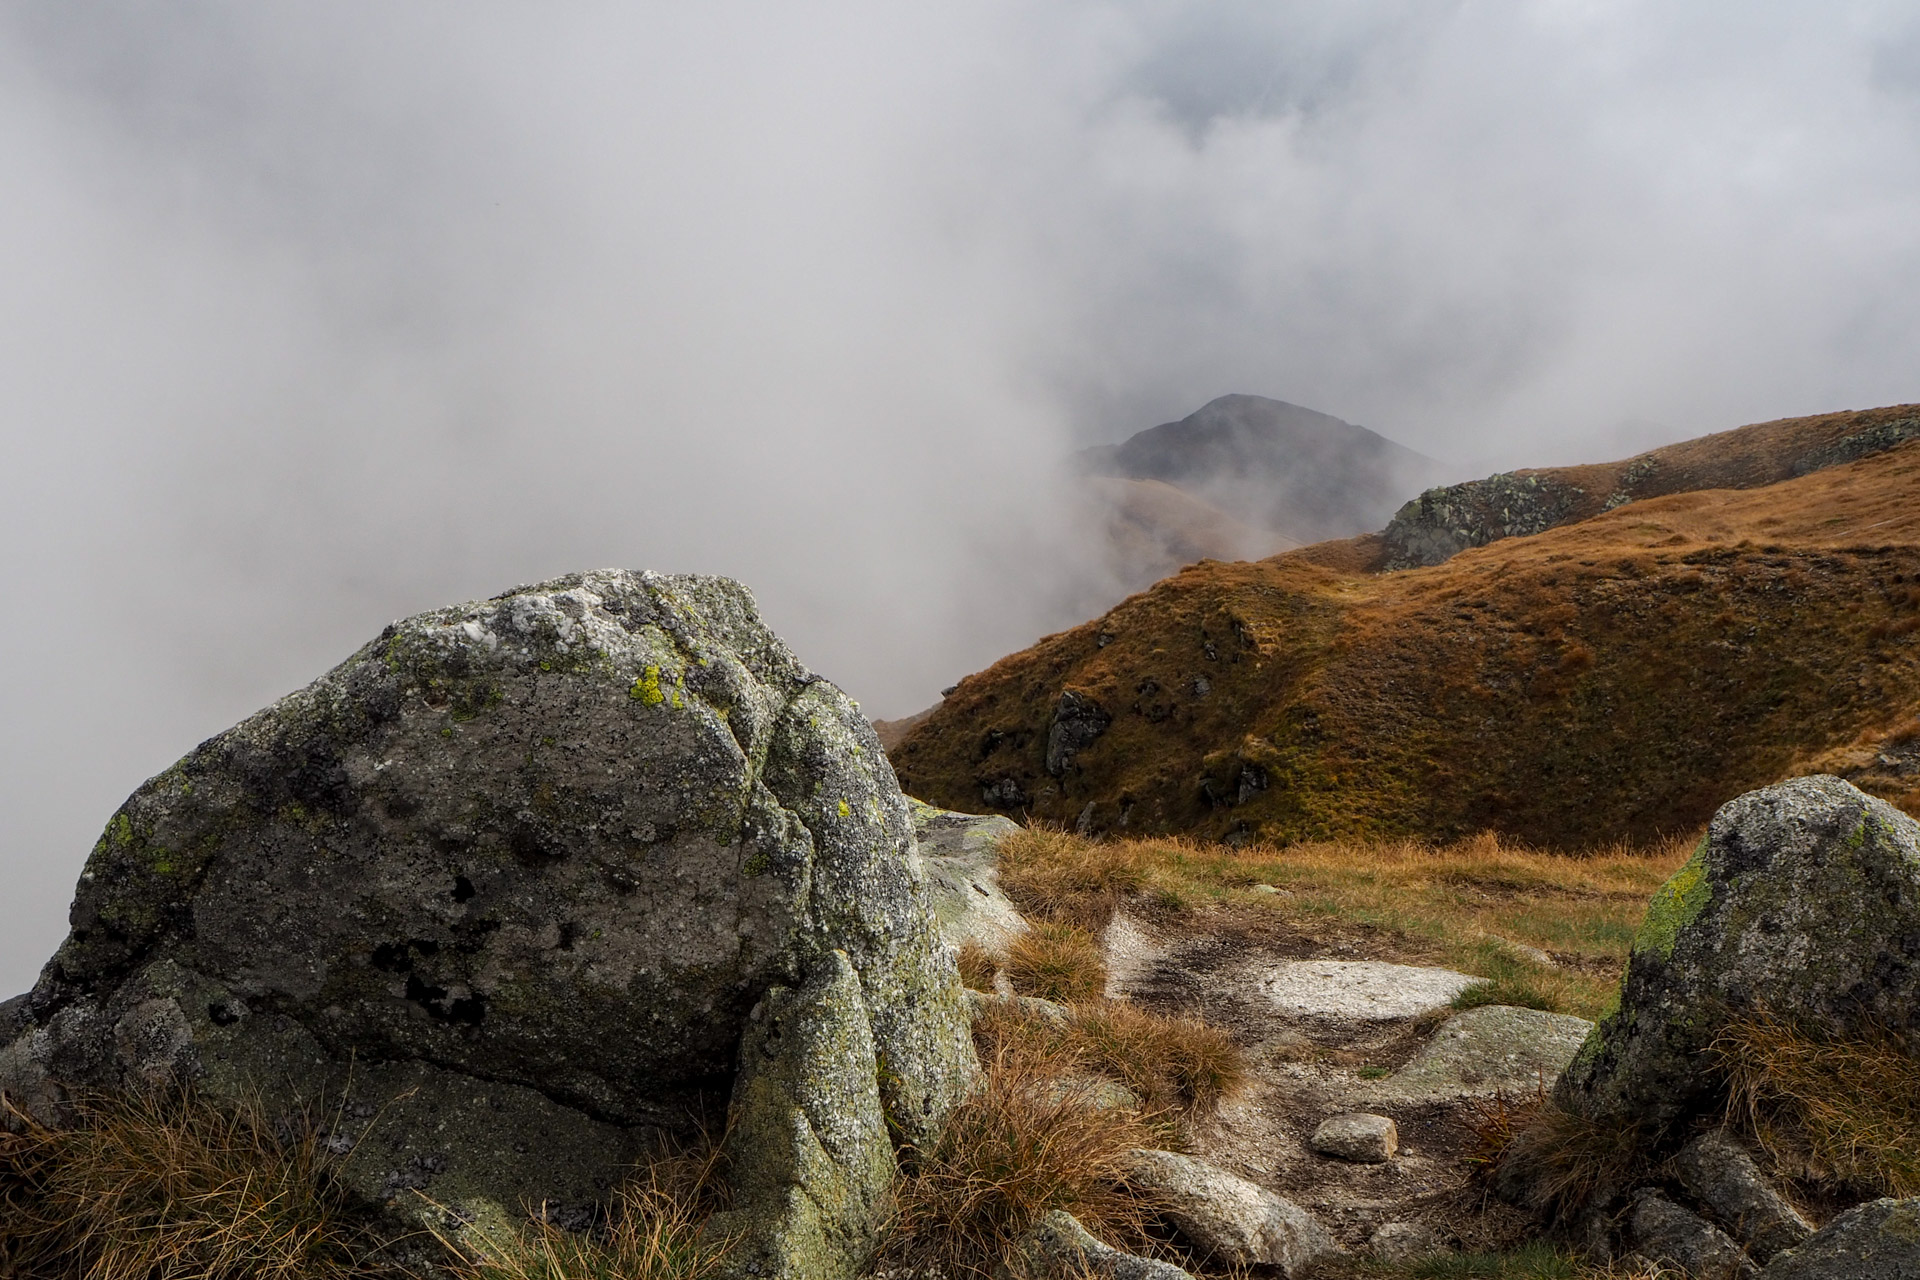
column 1616, row 677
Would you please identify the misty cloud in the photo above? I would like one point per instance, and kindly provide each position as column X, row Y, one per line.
column 319, row 315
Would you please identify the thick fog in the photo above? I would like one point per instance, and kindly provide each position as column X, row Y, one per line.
column 315, row 315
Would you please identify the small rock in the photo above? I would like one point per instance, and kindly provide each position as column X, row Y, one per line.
column 1357, row 1136
column 1034, row 1008
column 1362, row 990
column 1879, row 1240
column 1229, row 1218
column 1718, row 1172
column 1669, row 1234
column 1399, row 1243
column 1095, row 1093
column 1493, row 1049
column 1058, row 1246
column 1532, row 954
column 1272, row 889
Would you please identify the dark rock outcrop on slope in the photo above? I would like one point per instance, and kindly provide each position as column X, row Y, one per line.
column 510, row 879
column 1442, row 522
column 1273, row 465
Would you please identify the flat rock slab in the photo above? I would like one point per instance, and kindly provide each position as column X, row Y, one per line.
column 960, row 857
column 1361, row 990
column 1493, row 1049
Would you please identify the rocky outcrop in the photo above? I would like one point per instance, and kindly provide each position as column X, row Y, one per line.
column 508, row 880
column 1228, row 1219
column 1804, row 901
column 1441, row 523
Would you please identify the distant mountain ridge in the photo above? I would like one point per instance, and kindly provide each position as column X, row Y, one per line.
column 1305, row 475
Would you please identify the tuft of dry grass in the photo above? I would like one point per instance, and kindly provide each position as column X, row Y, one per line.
column 977, row 965
column 1056, row 961
column 1171, row 1064
column 1829, row 1109
column 151, row 1186
column 1565, row 1160
column 1450, row 904
column 654, row 1230
column 1016, row 1149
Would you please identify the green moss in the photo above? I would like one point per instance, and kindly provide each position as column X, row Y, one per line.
column 120, row 831
column 646, row 688
column 1676, row 904
column 758, row 864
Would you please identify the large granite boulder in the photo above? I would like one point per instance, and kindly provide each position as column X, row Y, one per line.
column 1804, row 900
column 510, row 879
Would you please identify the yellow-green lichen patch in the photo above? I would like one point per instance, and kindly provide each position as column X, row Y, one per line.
column 1675, row 905
column 646, row 688
column 845, row 812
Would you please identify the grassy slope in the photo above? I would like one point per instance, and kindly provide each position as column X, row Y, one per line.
column 1616, row 678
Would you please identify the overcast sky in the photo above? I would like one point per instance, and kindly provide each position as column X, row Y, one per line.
column 314, row 315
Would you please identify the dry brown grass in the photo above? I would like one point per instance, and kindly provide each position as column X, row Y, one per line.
column 1172, row 1065
column 1616, row 678
column 156, row 1186
column 1827, row 1109
column 977, row 966
column 654, row 1230
column 1056, row 961
column 1451, row 904
column 1565, row 1160
column 1018, row 1148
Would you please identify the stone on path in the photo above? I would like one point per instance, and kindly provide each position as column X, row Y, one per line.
column 1399, row 1243
column 1719, row 1173
column 1228, row 1218
column 1879, row 1240
column 1493, row 1049
column 1361, row 990
column 1057, row 1247
column 1675, row 1237
column 1357, row 1137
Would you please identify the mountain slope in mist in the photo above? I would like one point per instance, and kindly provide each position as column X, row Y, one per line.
column 1275, row 466
column 1613, row 677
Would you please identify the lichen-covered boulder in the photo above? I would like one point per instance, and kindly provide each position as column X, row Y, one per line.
column 1228, row 1219
column 534, row 858
column 808, row 1156
column 1879, row 1240
column 1804, row 900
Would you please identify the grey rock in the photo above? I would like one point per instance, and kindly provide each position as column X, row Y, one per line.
column 1719, row 1173
column 807, row 1152
column 1804, row 898
column 1399, row 1243
column 1668, row 1234
column 1489, row 1050
column 960, row 859
column 1361, row 990
column 1226, row 1217
column 1055, row 1015
column 1058, row 1247
column 1078, row 722
column 1358, row 1137
column 1879, row 1240
column 1442, row 522
column 545, row 851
